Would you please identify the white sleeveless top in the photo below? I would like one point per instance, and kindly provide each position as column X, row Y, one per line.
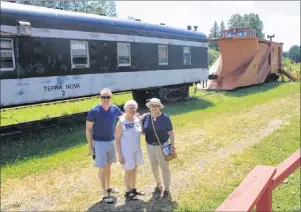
column 131, row 132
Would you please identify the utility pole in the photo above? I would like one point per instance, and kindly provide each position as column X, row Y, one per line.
column 270, row 58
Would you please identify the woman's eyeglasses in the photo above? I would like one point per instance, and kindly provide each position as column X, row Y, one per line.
column 105, row 97
column 154, row 106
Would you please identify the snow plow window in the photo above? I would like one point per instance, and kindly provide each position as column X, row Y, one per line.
column 7, row 55
column 162, row 55
column 79, row 54
column 124, row 54
column 187, row 55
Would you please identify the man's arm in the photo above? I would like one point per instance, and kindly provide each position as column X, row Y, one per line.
column 119, row 112
column 122, row 114
column 89, row 127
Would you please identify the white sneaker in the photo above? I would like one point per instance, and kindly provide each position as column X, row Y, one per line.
column 108, row 199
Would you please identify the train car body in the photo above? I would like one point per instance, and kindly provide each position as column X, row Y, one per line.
column 245, row 60
column 50, row 54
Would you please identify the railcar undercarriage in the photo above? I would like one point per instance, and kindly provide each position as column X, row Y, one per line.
column 166, row 94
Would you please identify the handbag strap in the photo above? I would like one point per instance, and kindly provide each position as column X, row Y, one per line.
column 155, row 131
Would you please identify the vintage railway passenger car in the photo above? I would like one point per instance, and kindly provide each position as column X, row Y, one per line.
column 50, row 54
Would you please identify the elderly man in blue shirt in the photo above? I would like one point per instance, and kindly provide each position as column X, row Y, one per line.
column 100, row 128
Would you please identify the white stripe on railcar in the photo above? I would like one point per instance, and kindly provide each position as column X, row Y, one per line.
column 30, row 90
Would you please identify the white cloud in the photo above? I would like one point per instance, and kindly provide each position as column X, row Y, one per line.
column 286, row 29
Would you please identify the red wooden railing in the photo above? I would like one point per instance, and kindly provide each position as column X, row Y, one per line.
column 257, row 188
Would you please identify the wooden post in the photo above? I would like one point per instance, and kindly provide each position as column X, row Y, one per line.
column 282, row 77
column 270, row 56
column 265, row 202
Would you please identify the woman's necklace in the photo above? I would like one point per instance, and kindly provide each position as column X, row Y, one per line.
column 155, row 117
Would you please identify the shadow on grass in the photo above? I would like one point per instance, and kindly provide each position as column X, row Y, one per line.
column 153, row 204
column 254, row 89
column 41, row 144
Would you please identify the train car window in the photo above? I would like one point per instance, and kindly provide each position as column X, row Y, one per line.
column 7, row 55
column 229, row 34
column 124, row 54
column 187, row 55
column 240, row 34
column 79, row 54
column 162, row 55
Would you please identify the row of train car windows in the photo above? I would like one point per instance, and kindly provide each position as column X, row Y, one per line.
column 80, row 54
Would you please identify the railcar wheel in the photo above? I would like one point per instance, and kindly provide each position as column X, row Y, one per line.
column 173, row 94
column 272, row 78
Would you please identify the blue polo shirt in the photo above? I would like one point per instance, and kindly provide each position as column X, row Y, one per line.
column 162, row 125
column 104, row 122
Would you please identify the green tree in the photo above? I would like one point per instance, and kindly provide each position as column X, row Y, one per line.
column 102, row 7
column 294, row 53
column 251, row 20
column 212, row 56
column 222, row 28
column 214, row 33
column 287, row 62
column 236, row 21
column 285, row 54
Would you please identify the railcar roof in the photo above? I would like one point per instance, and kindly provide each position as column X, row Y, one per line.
column 79, row 18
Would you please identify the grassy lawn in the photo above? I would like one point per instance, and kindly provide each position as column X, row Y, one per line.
column 220, row 137
column 223, row 176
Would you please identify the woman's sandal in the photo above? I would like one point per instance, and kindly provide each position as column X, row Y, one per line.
column 113, row 191
column 158, row 190
column 138, row 192
column 166, row 194
column 130, row 195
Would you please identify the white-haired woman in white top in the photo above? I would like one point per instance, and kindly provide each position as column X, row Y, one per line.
column 128, row 132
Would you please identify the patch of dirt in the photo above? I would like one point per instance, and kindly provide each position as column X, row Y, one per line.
column 273, row 125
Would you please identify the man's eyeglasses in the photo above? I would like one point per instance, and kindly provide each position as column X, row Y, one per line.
column 105, row 97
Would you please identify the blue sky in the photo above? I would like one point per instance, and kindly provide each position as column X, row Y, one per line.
column 281, row 18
